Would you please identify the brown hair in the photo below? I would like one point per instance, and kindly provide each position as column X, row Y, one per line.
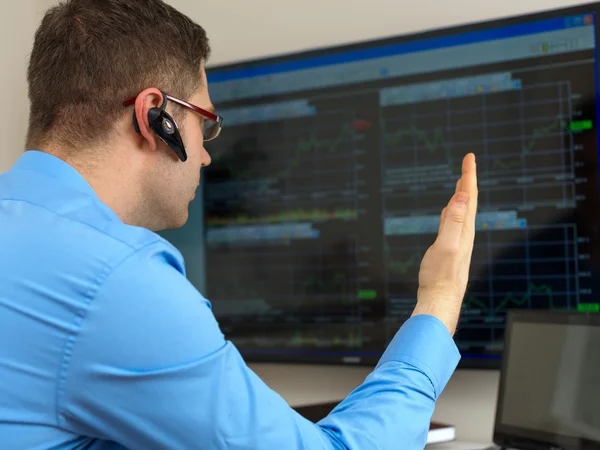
column 90, row 55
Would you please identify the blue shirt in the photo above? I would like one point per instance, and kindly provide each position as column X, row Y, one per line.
column 104, row 343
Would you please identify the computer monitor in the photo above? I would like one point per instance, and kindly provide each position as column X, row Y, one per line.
column 549, row 395
column 327, row 183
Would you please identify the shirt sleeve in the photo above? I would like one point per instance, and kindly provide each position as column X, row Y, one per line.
column 150, row 369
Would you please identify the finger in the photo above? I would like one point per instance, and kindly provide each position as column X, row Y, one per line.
column 468, row 181
column 456, row 191
column 469, row 186
column 442, row 219
column 443, row 215
column 449, row 237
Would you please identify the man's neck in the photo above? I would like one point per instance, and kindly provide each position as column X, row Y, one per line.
column 111, row 176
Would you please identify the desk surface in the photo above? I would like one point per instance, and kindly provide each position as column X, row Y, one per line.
column 316, row 412
column 460, row 445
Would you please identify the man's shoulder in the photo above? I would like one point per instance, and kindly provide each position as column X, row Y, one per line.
column 72, row 223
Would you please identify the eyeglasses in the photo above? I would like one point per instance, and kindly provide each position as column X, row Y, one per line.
column 211, row 127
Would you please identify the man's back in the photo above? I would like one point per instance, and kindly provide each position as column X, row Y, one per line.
column 58, row 242
column 106, row 344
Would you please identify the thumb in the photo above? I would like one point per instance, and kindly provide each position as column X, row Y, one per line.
column 454, row 219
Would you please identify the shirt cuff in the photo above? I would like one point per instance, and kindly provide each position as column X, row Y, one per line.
column 424, row 342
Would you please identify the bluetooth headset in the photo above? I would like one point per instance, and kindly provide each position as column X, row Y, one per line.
column 165, row 128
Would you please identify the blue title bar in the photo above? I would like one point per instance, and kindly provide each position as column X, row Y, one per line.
column 220, row 75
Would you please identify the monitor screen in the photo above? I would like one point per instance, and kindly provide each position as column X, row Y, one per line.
column 550, row 391
column 327, row 183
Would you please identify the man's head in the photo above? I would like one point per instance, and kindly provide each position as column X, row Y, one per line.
column 89, row 56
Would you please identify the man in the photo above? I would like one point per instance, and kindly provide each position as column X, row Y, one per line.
column 105, row 344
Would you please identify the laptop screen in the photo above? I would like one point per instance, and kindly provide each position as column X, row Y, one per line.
column 550, row 383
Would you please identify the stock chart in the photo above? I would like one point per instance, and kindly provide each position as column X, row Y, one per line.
column 523, row 128
column 326, row 186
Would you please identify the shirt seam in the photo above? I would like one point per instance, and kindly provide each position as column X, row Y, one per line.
column 78, row 322
column 71, row 219
column 85, row 188
column 437, row 322
column 418, row 365
column 417, row 362
column 156, row 237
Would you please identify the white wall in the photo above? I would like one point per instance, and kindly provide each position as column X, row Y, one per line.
column 17, row 27
column 248, row 29
column 241, row 30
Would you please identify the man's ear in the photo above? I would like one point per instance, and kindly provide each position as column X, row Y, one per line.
column 145, row 101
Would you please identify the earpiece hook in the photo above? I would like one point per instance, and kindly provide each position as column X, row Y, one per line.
column 165, row 127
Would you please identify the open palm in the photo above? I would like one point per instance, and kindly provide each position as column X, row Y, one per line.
column 445, row 267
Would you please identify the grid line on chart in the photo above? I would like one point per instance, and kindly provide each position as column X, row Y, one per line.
column 525, row 277
column 496, row 123
column 547, row 152
column 491, row 188
column 540, row 277
column 507, row 106
column 322, row 156
column 527, row 235
column 477, row 142
column 490, row 267
column 324, row 195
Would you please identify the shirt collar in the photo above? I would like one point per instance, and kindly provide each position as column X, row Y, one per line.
column 54, row 167
column 51, row 166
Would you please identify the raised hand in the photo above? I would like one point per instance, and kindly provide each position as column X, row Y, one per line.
column 445, row 267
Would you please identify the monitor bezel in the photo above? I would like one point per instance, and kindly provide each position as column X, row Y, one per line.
column 434, row 32
column 484, row 361
column 507, row 436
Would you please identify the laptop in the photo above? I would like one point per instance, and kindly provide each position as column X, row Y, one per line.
column 549, row 396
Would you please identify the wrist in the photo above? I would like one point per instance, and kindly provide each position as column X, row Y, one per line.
column 441, row 307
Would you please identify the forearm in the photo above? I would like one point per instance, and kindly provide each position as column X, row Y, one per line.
column 393, row 407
